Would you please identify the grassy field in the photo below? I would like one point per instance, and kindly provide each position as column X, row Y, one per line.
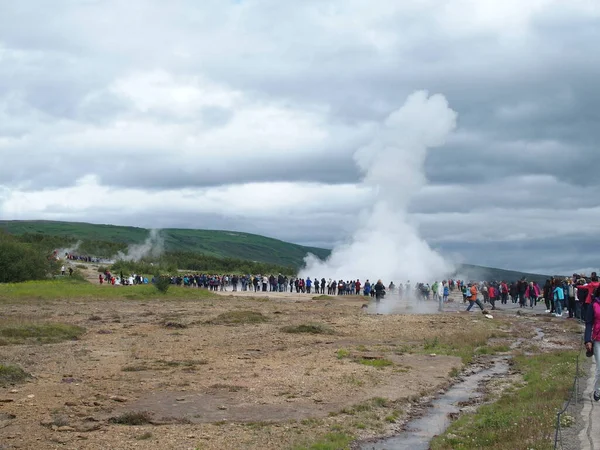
column 230, row 244
column 66, row 288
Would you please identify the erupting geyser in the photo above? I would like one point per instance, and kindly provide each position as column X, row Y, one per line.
column 385, row 244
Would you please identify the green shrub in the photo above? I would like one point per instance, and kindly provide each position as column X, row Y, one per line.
column 12, row 374
column 162, row 284
column 21, row 262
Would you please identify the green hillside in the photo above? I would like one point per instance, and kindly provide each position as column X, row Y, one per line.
column 209, row 242
column 106, row 240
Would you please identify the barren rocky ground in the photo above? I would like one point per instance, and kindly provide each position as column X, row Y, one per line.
column 230, row 371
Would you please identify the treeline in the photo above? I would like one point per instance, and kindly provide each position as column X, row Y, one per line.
column 100, row 249
column 170, row 262
column 23, row 261
column 29, row 257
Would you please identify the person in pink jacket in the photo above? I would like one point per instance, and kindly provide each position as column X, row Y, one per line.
column 592, row 337
column 532, row 293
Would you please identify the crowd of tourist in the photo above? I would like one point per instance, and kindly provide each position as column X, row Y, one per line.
column 75, row 257
column 570, row 295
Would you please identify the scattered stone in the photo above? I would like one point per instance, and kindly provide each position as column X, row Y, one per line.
column 87, row 427
column 222, row 408
column 6, row 400
column 31, row 396
column 180, row 399
column 118, row 398
column 65, row 429
column 46, row 422
column 70, row 380
column 14, row 391
column 70, row 404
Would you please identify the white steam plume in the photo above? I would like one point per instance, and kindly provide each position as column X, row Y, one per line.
column 153, row 246
column 385, row 245
column 62, row 251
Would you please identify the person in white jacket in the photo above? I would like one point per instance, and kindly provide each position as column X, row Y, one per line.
column 440, row 295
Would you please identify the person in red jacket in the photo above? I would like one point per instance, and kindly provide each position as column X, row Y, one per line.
column 492, row 293
column 504, row 292
column 590, row 288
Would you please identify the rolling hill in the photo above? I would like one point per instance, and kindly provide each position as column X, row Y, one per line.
column 217, row 243
column 209, row 242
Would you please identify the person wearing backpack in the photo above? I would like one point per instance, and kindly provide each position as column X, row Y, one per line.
column 473, row 297
column 592, row 337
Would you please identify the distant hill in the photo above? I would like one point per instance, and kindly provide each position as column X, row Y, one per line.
column 471, row 272
column 217, row 243
column 231, row 244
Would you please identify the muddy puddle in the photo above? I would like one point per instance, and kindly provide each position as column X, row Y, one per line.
column 437, row 417
column 539, row 336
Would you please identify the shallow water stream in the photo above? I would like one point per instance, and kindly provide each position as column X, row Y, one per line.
column 420, row 431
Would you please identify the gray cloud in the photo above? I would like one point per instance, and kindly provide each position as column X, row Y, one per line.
column 189, row 97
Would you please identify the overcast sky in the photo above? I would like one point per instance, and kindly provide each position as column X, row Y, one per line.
column 244, row 115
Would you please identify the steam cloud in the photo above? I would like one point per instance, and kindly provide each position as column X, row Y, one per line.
column 62, row 251
column 386, row 245
column 153, row 246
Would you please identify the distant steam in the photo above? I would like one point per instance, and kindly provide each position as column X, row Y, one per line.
column 153, row 246
column 70, row 250
column 385, row 244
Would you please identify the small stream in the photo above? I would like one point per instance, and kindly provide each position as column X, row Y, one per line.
column 420, row 431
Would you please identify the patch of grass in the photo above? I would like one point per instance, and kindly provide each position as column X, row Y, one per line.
column 461, row 344
column 393, row 417
column 68, row 287
column 353, row 380
column 369, row 405
column 331, row 441
column 184, row 363
column 342, row 353
column 18, row 331
column 454, row 372
column 492, row 350
column 173, row 324
column 310, row 328
column 259, row 424
column 379, row 363
column 238, row 318
column 311, row 421
column 144, row 437
column 12, row 374
column 132, row 418
column 136, row 368
column 521, row 418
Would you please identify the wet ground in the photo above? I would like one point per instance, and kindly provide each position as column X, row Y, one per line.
column 438, row 416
